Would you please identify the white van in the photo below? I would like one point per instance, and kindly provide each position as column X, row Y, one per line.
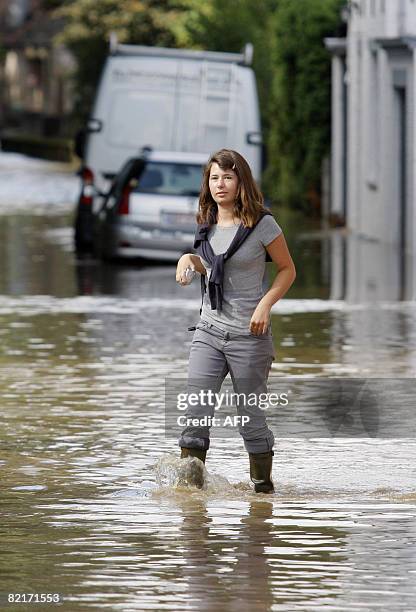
column 170, row 100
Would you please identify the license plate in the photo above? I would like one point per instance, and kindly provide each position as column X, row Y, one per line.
column 178, row 219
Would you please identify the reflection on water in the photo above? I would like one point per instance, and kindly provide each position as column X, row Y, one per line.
column 369, row 271
column 85, row 350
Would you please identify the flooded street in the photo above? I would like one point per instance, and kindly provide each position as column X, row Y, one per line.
column 86, row 349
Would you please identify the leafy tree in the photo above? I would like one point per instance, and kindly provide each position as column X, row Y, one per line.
column 300, row 98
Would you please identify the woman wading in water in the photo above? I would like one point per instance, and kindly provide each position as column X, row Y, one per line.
column 235, row 234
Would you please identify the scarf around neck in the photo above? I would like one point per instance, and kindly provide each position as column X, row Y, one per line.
column 203, row 247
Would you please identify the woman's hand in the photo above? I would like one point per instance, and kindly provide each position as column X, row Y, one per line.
column 189, row 260
column 184, row 263
column 260, row 319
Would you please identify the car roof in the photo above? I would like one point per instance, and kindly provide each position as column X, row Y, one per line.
column 178, row 157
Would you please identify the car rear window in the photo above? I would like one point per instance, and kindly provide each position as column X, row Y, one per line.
column 170, row 179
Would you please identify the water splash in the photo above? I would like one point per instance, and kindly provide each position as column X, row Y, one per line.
column 171, row 471
column 190, row 473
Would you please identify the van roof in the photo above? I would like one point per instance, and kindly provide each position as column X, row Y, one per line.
column 178, row 156
column 244, row 58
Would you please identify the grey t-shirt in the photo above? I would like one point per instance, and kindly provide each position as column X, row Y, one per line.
column 243, row 274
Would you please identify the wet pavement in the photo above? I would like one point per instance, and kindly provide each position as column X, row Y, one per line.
column 85, row 352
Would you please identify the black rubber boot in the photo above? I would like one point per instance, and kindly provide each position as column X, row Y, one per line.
column 193, row 452
column 261, row 471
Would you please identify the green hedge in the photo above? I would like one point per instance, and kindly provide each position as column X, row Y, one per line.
column 300, row 94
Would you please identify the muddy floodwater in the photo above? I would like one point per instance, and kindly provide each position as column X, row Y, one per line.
column 90, row 509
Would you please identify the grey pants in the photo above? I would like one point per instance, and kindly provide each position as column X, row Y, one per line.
column 248, row 358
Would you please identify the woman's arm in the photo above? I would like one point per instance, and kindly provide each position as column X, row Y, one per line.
column 189, row 259
column 285, row 277
column 286, row 274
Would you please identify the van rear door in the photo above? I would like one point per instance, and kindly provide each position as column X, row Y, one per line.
column 217, row 108
column 206, row 104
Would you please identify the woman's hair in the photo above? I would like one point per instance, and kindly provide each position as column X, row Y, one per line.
column 249, row 201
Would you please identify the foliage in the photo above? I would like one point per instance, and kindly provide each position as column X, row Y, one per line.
column 300, row 98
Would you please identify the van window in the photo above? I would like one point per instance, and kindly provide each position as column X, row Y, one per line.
column 170, row 179
column 139, row 118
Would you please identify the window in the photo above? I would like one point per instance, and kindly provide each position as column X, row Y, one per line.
column 170, row 179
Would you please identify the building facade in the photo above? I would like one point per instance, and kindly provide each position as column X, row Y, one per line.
column 373, row 156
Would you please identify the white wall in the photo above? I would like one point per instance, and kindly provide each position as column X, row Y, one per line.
column 372, row 149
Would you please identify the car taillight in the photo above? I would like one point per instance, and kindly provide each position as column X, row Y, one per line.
column 87, row 177
column 123, row 207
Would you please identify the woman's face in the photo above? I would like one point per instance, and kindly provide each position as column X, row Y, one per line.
column 223, row 185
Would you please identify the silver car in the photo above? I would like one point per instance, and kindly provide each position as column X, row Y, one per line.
column 150, row 209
